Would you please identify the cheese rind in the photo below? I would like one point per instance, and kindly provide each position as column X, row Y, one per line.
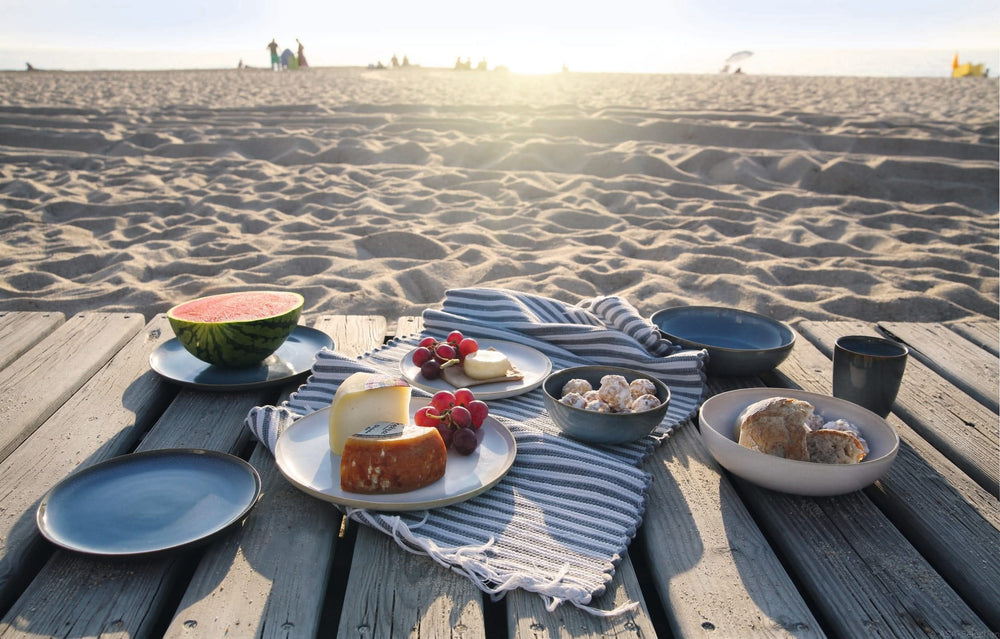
column 392, row 458
column 364, row 399
column 486, row 364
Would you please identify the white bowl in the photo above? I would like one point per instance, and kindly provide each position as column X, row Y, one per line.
column 718, row 416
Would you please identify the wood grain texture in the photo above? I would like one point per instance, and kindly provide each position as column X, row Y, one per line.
column 966, row 365
column 983, row 332
column 714, row 569
column 20, row 330
column 117, row 405
column 38, row 383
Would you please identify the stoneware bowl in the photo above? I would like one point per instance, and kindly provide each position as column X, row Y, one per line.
column 717, row 419
column 738, row 342
column 602, row 428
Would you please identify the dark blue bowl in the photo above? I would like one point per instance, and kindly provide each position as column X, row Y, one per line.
column 738, row 342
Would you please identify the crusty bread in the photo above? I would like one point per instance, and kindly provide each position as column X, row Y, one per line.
column 829, row 446
column 776, row 426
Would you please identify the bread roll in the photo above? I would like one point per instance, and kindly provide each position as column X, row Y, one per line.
column 829, row 446
column 776, row 426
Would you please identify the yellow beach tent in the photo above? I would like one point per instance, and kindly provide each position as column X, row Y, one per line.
column 967, row 70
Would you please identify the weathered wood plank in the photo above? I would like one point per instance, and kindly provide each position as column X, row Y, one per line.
column 864, row 576
column 985, row 333
column 950, row 518
column 20, row 330
column 105, row 418
column 269, row 578
column 965, row 431
column 79, row 595
column 391, row 592
column 714, row 569
column 964, row 364
column 527, row 616
column 36, row 384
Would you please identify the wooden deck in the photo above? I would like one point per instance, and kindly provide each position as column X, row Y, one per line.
column 916, row 554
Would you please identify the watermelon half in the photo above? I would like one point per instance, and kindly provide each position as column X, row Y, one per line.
column 236, row 329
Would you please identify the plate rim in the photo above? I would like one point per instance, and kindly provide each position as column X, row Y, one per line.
column 397, row 506
column 482, row 393
column 138, row 457
column 319, row 335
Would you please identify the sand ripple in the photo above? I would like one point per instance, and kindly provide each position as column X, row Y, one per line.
column 374, row 192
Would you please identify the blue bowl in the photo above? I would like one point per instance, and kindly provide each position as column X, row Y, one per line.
column 738, row 342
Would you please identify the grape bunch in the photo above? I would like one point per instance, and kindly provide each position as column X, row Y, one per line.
column 432, row 355
column 457, row 416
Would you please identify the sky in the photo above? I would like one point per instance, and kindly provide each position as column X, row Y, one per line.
column 648, row 36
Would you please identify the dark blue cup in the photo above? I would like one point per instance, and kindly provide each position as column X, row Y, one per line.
column 868, row 371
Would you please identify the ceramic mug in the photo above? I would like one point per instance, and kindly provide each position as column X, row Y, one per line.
column 868, row 371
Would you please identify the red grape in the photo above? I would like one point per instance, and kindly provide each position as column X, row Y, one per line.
column 445, row 352
column 431, row 369
column 479, row 410
column 461, row 417
column 455, row 337
column 443, row 400
column 464, row 441
column 428, row 342
column 466, row 346
column 463, row 396
column 421, row 355
column 446, row 434
column 428, row 417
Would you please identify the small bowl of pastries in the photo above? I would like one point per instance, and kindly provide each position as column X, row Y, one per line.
column 605, row 404
column 797, row 442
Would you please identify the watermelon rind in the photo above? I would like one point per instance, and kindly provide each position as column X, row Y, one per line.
column 238, row 343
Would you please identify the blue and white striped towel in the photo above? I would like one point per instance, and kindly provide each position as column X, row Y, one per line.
column 565, row 512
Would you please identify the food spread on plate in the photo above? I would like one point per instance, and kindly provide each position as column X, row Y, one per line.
column 791, row 428
column 615, row 395
column 380, row 451
column 460, row 362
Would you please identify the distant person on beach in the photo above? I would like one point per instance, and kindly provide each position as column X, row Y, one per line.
column 29, row 67
column 395, row 61
column 275, row 60
column 302, row 55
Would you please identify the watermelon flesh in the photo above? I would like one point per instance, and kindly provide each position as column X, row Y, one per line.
column 236, row 330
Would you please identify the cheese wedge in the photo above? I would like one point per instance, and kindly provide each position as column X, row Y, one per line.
column 486, row 364
column 392, row 458
column 364, row 399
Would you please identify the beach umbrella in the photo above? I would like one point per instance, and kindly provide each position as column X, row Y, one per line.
column 738, row 57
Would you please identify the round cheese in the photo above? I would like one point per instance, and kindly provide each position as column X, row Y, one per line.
column 389, row 458
column 486, row 364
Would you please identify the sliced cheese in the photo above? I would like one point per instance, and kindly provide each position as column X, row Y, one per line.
column 392, row 458
column 486, row 364
column 364, row 399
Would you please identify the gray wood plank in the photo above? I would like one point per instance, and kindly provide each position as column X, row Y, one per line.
column 79, row 595
column 36, row 384
column 966, row 432
column 946, row 515
column 714, row 569
column 527, row 616
column 20, row 330
column 983, row 332
column 105, row 418
column 269, row 578
column 865, row 576
column 391, row 592
column 964, row 364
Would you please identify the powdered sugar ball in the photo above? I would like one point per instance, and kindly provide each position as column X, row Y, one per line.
column 642, row 386
column 579, row 386
column 592, row 396
column 575, row 400
column 615, row 392
column 598, row 407
column 644, row 402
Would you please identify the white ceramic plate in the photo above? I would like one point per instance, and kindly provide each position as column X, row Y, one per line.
column 304, row 458
column 148, row 502
column 533, row 364
column 717, row 418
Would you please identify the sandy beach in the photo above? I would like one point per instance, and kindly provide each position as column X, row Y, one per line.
column 373, row 192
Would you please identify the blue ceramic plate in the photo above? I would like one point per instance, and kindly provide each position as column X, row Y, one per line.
column 147, row 502
column 293, row 358
column 738, row 342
